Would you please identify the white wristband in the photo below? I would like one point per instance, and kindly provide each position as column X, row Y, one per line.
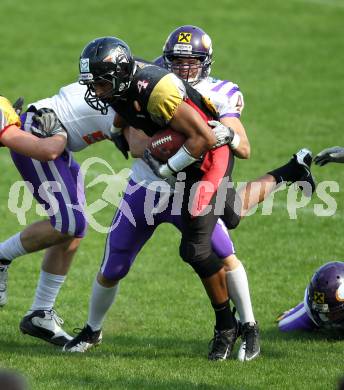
column 181, row 160
column 115, row 130
column 235, row 141
column 165, row 171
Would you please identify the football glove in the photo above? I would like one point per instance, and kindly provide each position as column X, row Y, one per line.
column 162, row 170
column 120, row 141
column 45, row 123
column 334, row 154
column 224, row 135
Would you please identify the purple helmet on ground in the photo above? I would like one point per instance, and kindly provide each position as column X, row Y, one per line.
column 325, row 295
column 192, row 43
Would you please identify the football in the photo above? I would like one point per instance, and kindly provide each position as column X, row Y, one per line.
column 165, row 143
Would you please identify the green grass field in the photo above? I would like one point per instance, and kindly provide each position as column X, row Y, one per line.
column 287, row 57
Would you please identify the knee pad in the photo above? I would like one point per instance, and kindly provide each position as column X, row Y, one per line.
column 204, row 264
column 116, row 272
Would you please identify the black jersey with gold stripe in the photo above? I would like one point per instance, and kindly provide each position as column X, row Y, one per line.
column 153, row 97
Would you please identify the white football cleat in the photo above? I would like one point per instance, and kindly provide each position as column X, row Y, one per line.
column 45, row 325
column 3, row 284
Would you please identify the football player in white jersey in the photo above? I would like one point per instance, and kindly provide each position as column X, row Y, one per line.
column 62, row 234
column 188, row 53
column 15, row 139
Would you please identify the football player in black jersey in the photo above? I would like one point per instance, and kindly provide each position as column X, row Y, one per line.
column 150, row 98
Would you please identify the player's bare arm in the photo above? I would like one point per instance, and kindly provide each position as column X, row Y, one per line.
column 29, row 145
column 244, row 149
column 200, row 137
column 137, row 140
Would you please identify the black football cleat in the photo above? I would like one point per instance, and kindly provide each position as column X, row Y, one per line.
column 84, row 340
column 221, row 346
column 305, row 181
column 250, row 346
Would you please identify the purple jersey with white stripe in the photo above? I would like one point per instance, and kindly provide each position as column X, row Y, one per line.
column 297, row 318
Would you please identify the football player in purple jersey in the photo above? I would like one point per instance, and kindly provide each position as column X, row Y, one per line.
column 323, row 303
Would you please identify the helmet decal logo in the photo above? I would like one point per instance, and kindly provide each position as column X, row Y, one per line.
column 142, row 84
column 340, row 293
column 117, row 56
column 181, row 48
column 84, row 65
column 184, row 37
column 206, row 41
column 319, row 297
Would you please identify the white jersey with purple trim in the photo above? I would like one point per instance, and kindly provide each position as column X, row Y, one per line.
column 225, row 95
column 84, row 125
column 229, row 102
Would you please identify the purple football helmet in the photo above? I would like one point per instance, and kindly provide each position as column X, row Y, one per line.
column 188, row 53
column 325, row 295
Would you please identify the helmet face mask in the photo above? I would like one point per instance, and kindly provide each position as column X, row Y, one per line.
column 325, row 295
column 189, row 69
column 107, row 69
column 188, row 43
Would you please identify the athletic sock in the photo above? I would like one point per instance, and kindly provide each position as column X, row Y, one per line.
column 12, row 248
column 224, row 316
column 46, row 292
column 240, row 293
column 290, row 172
column 101, row 300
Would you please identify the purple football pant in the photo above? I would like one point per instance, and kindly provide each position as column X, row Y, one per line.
column 296, row 319
column 57, row 186
column 133, row 226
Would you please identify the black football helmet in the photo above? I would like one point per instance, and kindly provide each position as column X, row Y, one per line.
column 325, row 295
column 188, row 42
column 106, row 60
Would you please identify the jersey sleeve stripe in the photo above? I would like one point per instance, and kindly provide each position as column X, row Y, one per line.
column 230, row 115
column 219, row 86
column 232, row 91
